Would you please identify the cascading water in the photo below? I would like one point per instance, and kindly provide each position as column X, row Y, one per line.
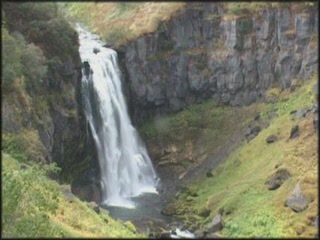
column 126, row 169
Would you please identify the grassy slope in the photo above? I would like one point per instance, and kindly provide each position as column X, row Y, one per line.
column 238, row 183
column 33, row 206
column 118, row 23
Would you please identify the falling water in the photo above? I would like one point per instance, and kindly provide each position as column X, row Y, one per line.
column 126, row 169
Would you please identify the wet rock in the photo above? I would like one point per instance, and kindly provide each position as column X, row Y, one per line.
column 215, row 225
column 277, row 179
column 271, row 139
column 294, row 132
column 297, row 201
column 94, row 206
column 96, row 50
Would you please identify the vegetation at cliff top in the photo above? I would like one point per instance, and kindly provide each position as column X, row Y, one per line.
column 118, row 23
column 34, row 206
column 237, row 185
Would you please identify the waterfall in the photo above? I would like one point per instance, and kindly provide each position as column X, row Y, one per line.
column 126, row 169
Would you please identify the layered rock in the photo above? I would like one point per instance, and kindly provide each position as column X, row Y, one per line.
column 204, row 53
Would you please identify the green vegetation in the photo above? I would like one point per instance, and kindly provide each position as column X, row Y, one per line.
column 237, row 185
column 34, row 206
column 118, row 23
column 24, row 147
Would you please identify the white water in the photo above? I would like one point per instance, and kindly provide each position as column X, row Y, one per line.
column 126, row 169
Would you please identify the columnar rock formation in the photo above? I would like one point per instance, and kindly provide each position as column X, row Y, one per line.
column 205, row 53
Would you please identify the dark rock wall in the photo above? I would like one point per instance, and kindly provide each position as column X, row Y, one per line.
column 201, row 54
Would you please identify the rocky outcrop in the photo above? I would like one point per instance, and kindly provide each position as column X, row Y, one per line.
column 205, row 53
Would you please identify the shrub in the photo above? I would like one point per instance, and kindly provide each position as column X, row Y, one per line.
column 28, row 199
column 33, row 66
column 11, row 54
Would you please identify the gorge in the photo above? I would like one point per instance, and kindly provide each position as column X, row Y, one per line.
column 223, row 95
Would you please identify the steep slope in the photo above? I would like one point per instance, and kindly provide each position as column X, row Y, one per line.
column 251, row 187
column 42, row 117
column 35, row 206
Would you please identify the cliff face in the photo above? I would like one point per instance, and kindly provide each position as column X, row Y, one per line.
column 47, row 122
column 205, row 53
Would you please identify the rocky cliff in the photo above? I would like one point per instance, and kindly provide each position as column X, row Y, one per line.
column 206, row 52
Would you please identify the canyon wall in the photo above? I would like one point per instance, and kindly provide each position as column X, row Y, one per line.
column 204, row 53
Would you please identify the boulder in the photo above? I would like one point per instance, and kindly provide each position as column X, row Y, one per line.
column 297, row 201
column 96, row 50
column 271, row 139
column 277, row 179
column 294, row 132
column 215, row 225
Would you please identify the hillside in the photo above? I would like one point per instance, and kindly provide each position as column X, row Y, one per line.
column 33, row 205
column 237, row 188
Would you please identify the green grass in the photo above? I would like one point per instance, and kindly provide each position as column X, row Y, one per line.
column 238, row 183
column 33, row 206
